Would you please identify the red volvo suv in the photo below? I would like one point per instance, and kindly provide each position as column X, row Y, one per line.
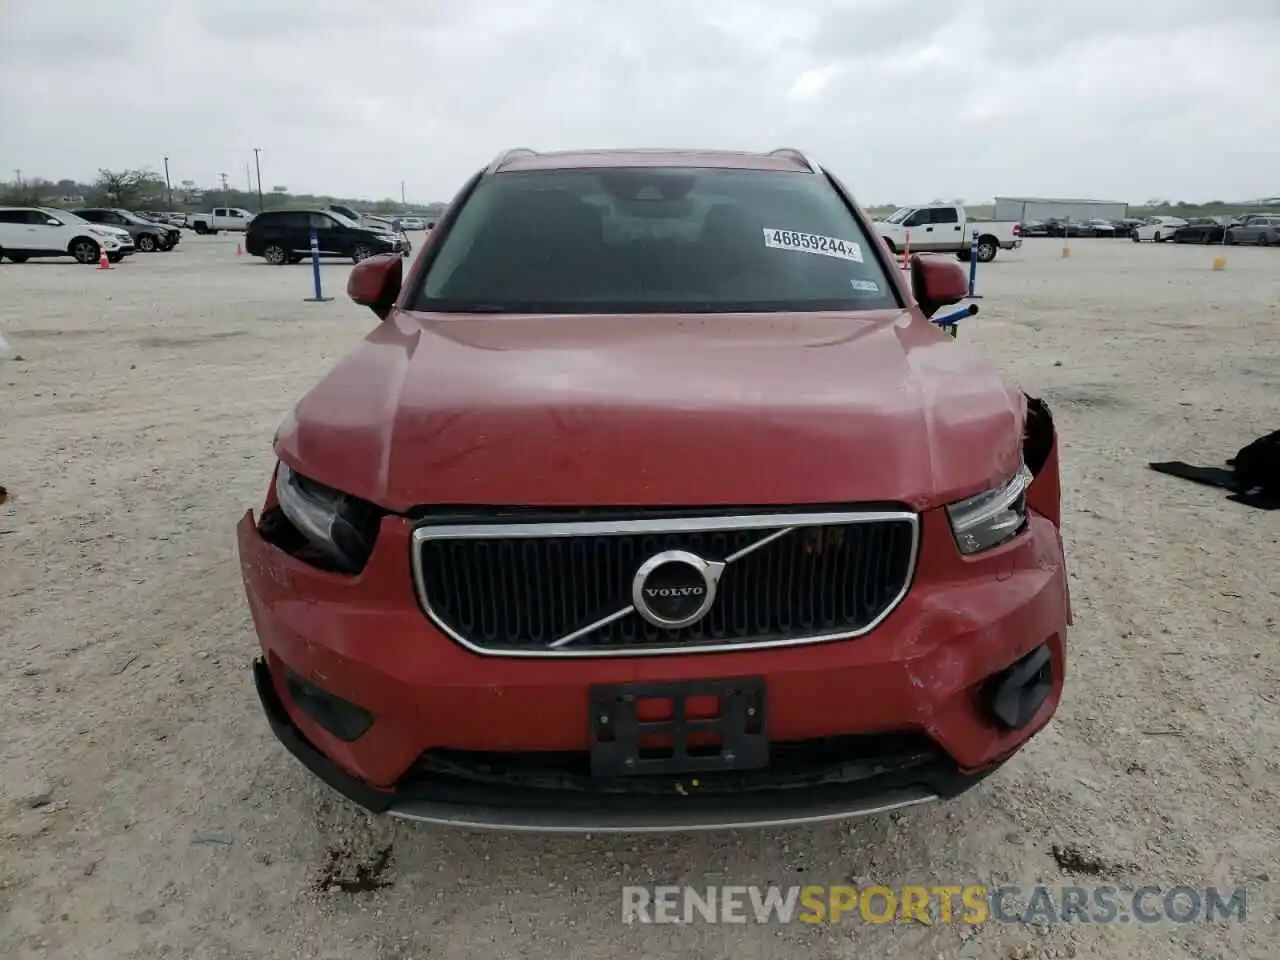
column 655, row 501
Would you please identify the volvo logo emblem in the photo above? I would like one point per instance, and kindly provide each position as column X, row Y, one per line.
column 675, row 588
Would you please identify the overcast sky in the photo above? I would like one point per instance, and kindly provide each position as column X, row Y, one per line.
column 906, row 101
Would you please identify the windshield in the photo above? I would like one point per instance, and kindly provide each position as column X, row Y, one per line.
column 63, row 215
column 645, row 240
column 342, row 218
column 900, row 214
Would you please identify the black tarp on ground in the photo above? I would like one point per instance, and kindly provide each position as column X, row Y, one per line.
column 1252, row 475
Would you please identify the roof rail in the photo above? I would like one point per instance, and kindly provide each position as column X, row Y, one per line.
column 799, row 155
column 506, row 155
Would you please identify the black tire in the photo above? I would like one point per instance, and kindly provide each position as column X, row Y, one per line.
column 1134, row 236
column 294, row 258
column 1262, row 240
column 361, row 252
column 965, row 255
column 84, row 250
column 200, row 228
column 987, row 249
column 114, row 257
column 1157, row 239
column 275, row 255
column 147, row 243
column 17, row 257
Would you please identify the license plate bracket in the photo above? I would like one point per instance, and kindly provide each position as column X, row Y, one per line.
column 622, row 742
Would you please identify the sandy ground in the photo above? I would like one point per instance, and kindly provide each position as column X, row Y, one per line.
column 146, row 811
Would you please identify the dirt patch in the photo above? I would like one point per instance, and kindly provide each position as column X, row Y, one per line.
column 196, row 341
column 347, row 872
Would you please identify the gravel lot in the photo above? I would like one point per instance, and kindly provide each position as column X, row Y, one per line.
column 146, row 811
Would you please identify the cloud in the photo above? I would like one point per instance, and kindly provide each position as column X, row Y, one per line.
column 905, row 100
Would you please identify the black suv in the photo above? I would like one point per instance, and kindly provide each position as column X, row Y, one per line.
column 148, row 236
column 284, row 236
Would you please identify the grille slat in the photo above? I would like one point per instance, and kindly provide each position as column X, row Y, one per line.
column 504, row 593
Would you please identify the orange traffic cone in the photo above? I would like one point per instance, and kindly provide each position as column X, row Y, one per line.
column 239, row 252
column 103, row 262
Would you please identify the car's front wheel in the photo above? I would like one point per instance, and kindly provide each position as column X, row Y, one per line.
column 987, row 247
column 1264, row 241
column 361, row 252
column 85, row 251
column 275, row 255
column 147, row 243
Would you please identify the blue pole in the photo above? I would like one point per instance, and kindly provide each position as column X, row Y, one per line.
column 315, row 270
column 315, row 264
column 973, row 266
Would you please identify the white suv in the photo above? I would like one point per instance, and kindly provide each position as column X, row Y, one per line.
column 27, row 232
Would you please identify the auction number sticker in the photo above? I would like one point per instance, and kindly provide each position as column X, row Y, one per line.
column 812, row 243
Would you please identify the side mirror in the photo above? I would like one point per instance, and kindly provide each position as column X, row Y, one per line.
column 375, row 282
column 937, row 283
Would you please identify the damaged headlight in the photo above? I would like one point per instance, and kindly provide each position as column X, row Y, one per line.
column 341, row 528
column 991, row 518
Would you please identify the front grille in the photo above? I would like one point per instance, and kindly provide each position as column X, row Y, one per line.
column 518, row 589
column 793, row 765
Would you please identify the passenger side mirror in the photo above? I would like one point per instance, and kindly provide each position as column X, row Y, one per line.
column 375, row 282
column 937, row 283
column 52, row 222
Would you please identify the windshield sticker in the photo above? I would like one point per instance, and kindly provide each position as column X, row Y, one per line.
column 812, row 243
column 866, row 286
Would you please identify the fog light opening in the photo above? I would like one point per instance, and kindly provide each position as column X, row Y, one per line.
column 344, row 720
column 1015, row 694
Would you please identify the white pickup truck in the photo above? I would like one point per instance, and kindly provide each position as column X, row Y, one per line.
column 222, row 218
column 945, row 228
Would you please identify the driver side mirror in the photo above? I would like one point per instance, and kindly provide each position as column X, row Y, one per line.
column 937, row 283
column 52, row 222
column 375, row 282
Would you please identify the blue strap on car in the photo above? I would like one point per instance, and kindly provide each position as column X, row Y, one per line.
column 950, row 322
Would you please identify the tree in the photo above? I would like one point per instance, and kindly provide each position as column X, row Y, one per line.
column 129, row 188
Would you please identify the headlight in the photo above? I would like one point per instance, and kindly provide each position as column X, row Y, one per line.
column 340, row 527
column 99, row 232
column 991, row 518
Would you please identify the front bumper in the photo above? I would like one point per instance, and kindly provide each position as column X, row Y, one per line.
column 921, row 673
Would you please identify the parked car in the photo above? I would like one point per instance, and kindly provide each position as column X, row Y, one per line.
column 1201, row 230
column 946, row 228
column 1158, row 229
column 1061, row 227
column 1034, row 228
column 1262, row 229
column 1101, row 228
column 284, row 236
column 513, row 569
column 1125, row 227
column 27, row 232
column 413, row 223
column 232, row 219
column 148, row 236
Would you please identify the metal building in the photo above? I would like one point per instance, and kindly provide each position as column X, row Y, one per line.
column 1035, row 208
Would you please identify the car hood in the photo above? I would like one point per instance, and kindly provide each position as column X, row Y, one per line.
column 657, row 410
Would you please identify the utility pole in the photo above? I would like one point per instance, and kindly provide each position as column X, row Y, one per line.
column 258, row 165
column 224, row 188
column 167, row 182
column 248, row 180
column 18, row 174
column 402, row 203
